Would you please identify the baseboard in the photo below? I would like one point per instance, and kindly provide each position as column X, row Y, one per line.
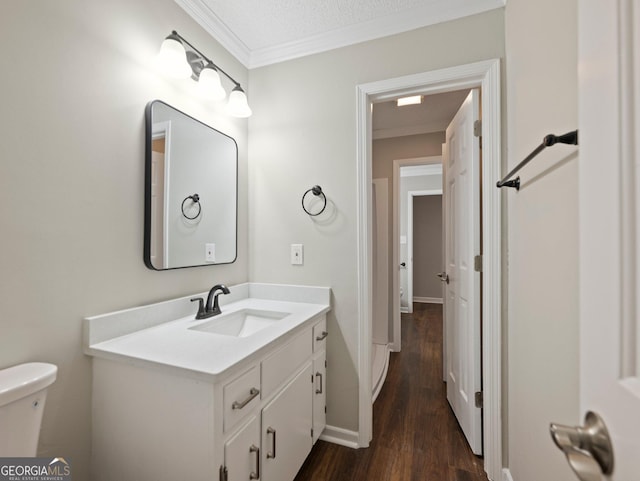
column 506, row 475
column 428, row 300
column 340, row 436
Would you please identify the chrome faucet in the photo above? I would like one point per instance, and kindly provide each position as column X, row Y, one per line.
column 209, row 310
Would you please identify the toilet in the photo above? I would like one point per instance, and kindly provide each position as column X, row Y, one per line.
column 23, row 391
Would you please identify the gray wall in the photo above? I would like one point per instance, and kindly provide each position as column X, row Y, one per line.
column 427, row 246
column 303, row 132
column 543, row 235
column 76, row 76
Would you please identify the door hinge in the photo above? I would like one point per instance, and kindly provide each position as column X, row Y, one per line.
column 477, row 128
column 325, row 363
column 325, row 409
column 478, row 399
column 312, row 379
column 224, row 474
column 477, row 263
column 311, row 432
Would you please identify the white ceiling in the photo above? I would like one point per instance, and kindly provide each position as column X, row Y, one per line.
column 262, row 32
column 433, row 115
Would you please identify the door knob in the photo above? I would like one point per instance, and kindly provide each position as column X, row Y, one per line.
column 588, row 448
column 444, row 277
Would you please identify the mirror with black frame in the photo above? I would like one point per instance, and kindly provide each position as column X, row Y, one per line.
column 191, row 191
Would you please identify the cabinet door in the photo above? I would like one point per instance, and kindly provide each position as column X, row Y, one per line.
column 242, row 453
column 286, row 429
column 319, row 394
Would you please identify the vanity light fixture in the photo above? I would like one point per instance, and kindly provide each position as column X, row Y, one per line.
column 413, row 100
column 172, row 58
column 180, row 59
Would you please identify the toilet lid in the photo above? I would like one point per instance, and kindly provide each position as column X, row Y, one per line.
column 25, row 379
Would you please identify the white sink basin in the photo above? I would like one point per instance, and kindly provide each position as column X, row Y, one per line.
column 241, row 323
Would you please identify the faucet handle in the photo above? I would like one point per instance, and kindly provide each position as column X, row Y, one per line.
column 201, row 313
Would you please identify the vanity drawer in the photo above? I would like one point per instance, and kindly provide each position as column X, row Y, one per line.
column 284, row 362
column 240, row 396
column 320, row 335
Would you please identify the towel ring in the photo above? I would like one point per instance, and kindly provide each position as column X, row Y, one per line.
column 196, row 200
column 317, row 191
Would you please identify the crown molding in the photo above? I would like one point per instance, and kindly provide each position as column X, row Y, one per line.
column 437, row 11
column 215, row 27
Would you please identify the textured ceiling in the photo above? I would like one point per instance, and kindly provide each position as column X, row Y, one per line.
column 259, row 32
column 264, row 24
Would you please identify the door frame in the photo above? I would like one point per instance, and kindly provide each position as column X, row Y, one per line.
column 410, row 195
column 486, row 75
column 383, row 184
column 395, row 244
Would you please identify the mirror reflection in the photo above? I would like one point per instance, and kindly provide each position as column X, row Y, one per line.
column 190, row 191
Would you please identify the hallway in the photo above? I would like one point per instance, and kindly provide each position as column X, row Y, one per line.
column 415, row 435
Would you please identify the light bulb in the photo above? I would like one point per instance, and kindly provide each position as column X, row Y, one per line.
column 238, row 106
column 209, row 83
column 172, row 58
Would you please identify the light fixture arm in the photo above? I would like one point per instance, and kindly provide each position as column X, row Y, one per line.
column 205, row 58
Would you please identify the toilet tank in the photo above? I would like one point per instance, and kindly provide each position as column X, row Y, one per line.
column 23, row 391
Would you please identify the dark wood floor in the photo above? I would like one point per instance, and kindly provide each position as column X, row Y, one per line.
column 415, row 435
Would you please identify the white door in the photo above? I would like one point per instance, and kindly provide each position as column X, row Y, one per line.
column 609, row 137
column 461, row 168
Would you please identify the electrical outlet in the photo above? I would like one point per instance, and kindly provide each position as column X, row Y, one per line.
column 210, row 252
column 297, row 257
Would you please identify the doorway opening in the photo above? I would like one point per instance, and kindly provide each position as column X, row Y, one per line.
column 424, row 247
column 485, row 75
column 443, row 123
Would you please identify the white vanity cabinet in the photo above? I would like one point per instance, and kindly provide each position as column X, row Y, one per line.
column 286, row 415
column 259, row 421
column 237, row 397
column 292, row 415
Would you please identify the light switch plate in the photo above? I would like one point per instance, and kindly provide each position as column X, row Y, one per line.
column 210, row 252
column 297, row 257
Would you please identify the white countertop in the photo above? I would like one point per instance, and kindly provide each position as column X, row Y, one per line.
column 172, row 344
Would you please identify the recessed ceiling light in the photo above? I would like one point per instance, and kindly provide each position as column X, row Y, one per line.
column 415, row 99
